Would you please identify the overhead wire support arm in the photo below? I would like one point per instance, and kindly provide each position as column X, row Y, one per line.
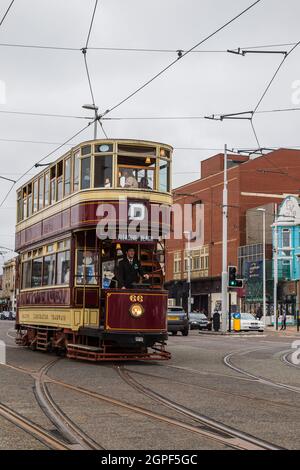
column 243, row 52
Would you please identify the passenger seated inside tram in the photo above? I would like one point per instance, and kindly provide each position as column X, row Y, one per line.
column 107, row 183
column 127, row 180
column 144, row 184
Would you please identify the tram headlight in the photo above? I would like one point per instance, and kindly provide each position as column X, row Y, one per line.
column 136, row 310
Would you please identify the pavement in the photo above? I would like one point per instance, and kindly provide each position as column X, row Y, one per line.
column 257, row 392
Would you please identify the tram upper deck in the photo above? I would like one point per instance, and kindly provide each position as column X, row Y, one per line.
column 66, row 194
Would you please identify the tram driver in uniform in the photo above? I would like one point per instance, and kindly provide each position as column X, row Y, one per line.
column 130, row 270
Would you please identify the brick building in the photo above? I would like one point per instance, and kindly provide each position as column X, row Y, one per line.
column 8, row 292
column 252, row 182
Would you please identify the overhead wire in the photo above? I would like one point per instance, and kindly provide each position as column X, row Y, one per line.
column 6, row 12
column 180, row 57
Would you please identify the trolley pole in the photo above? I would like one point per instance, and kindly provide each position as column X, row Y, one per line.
column 275, row 274
column 224, row 247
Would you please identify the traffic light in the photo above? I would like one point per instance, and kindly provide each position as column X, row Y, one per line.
column 232, row 280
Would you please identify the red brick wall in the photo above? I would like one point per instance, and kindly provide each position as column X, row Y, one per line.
column 246, row 177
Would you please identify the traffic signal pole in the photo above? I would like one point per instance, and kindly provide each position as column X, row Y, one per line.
column 224, row 247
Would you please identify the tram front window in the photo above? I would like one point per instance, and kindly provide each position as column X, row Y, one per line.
column 136, row 172
column 103, row 172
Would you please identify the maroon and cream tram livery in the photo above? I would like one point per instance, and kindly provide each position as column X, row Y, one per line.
column 75, row 221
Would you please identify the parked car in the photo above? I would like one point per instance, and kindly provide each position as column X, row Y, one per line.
column 4, row 316
column 199, row 321
column 11, row 315
column 250, row 323
column 178, row 320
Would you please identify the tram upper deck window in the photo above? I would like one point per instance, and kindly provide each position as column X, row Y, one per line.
column 19, row 206
column 41, row 192
column 47, row 189
column 52, row 185
column 59, row 172
column 164, row 175
column 86, row 150
column 24, row 192
column 103, row 171
column 29, row 200
column 136, row 172
column 76, row 171
column 67, row 183
column 35, row 195
column 86, row 173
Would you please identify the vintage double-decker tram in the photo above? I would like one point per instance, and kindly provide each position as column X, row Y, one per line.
column 68, row 298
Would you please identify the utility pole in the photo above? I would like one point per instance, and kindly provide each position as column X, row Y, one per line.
column 224, row 246
column 261, row 209
column 275, row 269
column 189, row 234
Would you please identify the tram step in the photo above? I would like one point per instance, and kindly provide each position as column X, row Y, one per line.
column 42, row 342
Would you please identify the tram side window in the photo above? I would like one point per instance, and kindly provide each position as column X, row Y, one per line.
column 29, row 202
column 26, row 275
column 63, row 267
column 20, row 206
column 164, row 176
column 76, row 171
column 52, row 185
column 37, row 271
column 35, row 195
column 41, row 192
column 87, row 267
column 67, row 185
column 103, row 172
column 47, row 189
column 25, row 202
column 59, row 171
column 49, row 271
column 86, row 173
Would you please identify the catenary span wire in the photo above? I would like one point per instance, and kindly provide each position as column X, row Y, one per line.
column 6, row 12
column 91, row 24
column 137, row 49
column 161, row 72
column 128, row 118
column 44, row 158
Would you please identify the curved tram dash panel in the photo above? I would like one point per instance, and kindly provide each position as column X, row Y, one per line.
column 70, row 298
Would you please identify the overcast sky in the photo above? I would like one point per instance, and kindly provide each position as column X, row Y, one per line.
column 200, row 84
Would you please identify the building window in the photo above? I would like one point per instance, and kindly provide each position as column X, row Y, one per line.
column 63, row 267
column 86, row 173
column 196, row 263
column 103, row 172
column 177, row 263
column 286, row 238
column 49, row 271
column 37, row 271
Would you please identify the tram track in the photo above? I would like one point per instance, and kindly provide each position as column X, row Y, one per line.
column 213, row 430
column 78, row 439
column 221, row 392
column 286, row 361
column 259, row 379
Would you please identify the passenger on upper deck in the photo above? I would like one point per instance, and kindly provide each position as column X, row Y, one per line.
column 130, row 270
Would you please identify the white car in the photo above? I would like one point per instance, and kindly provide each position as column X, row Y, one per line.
column 250, row 323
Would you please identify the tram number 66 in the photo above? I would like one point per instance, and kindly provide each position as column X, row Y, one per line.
column 136, row 298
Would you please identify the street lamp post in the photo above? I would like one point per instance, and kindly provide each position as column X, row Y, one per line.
column 94, row 108
column 263, row 211
column 224, row 247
